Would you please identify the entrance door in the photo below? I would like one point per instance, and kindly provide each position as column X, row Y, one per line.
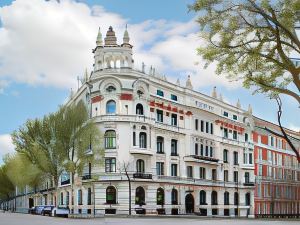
column 30, row 202
column 189, row 203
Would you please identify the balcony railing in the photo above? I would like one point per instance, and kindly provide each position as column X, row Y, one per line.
column 206, row 158
column 249, row 184
column 86, row 177
column 142, row 175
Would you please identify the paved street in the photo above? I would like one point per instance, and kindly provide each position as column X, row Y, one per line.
column 21, row 219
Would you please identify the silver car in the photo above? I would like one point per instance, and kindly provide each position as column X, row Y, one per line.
column 60, row 211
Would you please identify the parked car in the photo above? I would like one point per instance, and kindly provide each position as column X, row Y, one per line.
column 47, row 210
column 36, row 210
column 60, row 211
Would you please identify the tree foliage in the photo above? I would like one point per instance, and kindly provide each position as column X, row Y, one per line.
column 252, row 41
column 59, row 141
column 6, row 186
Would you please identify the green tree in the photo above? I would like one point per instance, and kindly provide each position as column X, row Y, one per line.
column 80, row 139
column 22, row 172
column 7, row 187
column 252, row 41
column 62, row 141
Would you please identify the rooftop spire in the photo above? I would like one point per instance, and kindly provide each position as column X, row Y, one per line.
column 126, row 38
column 238, row 104
column 99, row 41
column 110, row 38
column 188, row 83
column 214, row 92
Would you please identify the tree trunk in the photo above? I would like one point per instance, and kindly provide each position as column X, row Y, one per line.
column 129, row 184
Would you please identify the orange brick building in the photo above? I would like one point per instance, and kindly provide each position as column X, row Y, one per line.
column 277, row 171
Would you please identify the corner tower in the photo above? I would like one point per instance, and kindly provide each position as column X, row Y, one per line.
column 111, row 55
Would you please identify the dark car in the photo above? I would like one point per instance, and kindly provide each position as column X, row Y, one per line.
column 36, row 210
column 47, row 210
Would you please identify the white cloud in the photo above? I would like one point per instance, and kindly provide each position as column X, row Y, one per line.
column 50, row 43
column 3, row 84
column 294, row 127
column 6, row 145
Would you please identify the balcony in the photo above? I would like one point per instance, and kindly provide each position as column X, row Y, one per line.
column 249, row 184
column 142, row 175
column 86, row 177
column 199, row 158
column 143, row 151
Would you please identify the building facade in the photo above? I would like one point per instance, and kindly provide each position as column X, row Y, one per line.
column 277, row 171
column 182, row 151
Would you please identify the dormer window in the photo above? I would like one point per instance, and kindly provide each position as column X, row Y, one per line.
column 225, row 113
column 111, row 88
column 174, row 97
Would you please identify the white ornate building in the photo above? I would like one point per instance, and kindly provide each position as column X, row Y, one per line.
column 185, row 152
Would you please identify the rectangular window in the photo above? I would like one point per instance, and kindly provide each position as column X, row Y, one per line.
column 174, row 170
column 201, row 150
column 214, row 174
column 236, row 176
column 211, row 152
column 225, row 113
column 235, row 158
column 159, row 116
column 110, row 165
column 259, row 170
column 196, row 124
column 196, row 149
column 174, row 119
column 250, row 158
column 211, row 128
column 234, row 117
column 234, row 135
column 134, row 138
column 160, row 93
column 174, row 147
column 207, row 127
column 174, row 97
column 189, row 171
column 225, row 133
column 225, row 156
column 202, row 173
column 226, row 175
column 202, row 126
column 160, row 168
column 246, row 137
column 206, row 150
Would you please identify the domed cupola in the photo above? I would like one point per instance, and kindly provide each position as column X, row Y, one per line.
column 110, row 39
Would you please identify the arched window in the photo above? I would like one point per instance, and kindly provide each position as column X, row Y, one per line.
column 110, row 139
column 111, row 195
column 202, row 197
column 79, row 197
column 143, row 140
column 111, row 107
column 140, row 196
column 139, row 109
column 62, row 198
column 140, row 166
column 160, row 144
column 89, row 197
column 236, row 198
column 160, row 196
column 247, row 199
column 174, row 196
column 226, row 198
column 214, row 198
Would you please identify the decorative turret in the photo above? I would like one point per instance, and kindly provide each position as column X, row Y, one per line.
column 250, row 109
column 111, row 55
column 178, row 82
column 110, row 39
column 214, row 92
column 238, row 104
column 86, row 75
column 126, row 39
column 99, row 41
column 188, row 83
column 221, row 97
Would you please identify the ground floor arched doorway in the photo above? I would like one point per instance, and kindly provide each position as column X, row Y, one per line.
column 189, row 203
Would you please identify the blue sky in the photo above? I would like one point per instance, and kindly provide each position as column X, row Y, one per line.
column 44, row 46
